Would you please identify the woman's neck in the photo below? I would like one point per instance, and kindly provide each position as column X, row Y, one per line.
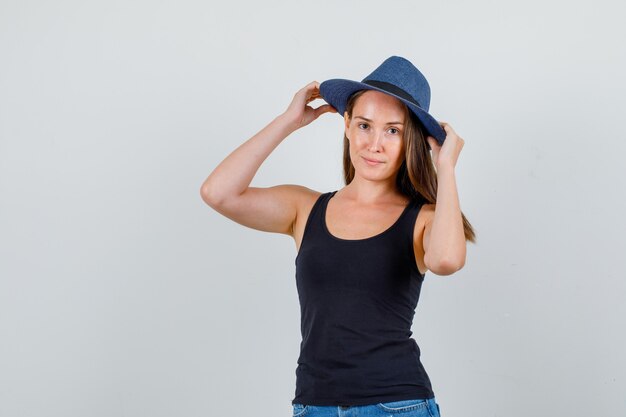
column 365, row 191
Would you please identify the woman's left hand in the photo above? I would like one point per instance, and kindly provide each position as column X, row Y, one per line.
column 448, row 153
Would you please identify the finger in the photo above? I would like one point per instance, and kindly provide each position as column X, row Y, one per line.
column 310, row 87
column 312, row 98
column 446, row 127
column 313, row 86
column 315, row 93
column 325, row 108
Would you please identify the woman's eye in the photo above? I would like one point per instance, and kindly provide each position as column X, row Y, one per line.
column 362, row 125
column 393, row 130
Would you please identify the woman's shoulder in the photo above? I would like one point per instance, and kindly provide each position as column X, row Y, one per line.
column 303, row 197
column 428, row 207
column 305, row 201
column 426, row 213
column 298, row 191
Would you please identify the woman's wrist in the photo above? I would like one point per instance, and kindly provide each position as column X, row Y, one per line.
column 288, row 123
column 448, row 167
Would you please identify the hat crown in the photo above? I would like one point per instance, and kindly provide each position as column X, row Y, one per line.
column 402, row 74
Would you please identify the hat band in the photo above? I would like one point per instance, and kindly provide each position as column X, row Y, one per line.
column 392, row 89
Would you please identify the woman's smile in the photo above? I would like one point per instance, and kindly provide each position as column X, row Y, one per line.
column 372, row 162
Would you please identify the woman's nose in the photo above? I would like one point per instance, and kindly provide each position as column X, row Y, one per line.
column 376, row 143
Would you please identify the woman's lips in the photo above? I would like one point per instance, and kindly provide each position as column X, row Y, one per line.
column 372, row 162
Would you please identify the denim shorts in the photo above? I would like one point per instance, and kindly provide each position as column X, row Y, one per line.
column 405, row 408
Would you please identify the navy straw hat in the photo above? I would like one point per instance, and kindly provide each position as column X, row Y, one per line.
column 397, row 77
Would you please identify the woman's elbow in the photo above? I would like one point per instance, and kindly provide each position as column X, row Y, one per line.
column 447, row 266
column 211, row 195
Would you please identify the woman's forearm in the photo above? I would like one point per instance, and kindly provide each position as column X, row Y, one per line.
column 234, row 174
column 446, row 246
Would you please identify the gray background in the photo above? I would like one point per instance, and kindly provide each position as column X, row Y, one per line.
column 123, row 294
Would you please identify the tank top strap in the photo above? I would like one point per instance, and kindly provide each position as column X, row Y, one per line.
column 318, row 210
column 315, row 221
column 410, row 215
column 405, row 225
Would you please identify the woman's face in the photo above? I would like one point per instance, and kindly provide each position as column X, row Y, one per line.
column 375, row 132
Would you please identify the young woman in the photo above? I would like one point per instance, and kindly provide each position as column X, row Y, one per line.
column 363, row 250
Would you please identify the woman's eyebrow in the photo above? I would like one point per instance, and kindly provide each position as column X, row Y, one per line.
column 368, row 120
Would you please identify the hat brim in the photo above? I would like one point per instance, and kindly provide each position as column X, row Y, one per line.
column 337, row 91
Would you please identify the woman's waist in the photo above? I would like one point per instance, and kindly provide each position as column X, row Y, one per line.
column 357, row 352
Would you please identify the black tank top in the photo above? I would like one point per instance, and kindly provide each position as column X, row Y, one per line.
column 357, row 302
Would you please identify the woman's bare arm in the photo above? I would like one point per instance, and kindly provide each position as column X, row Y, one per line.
column 444, row 237
column 227, row 189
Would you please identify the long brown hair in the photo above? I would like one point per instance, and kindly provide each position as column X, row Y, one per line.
column 416, row 177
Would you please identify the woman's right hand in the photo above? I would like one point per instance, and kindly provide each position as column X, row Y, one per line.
column 299, row 113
